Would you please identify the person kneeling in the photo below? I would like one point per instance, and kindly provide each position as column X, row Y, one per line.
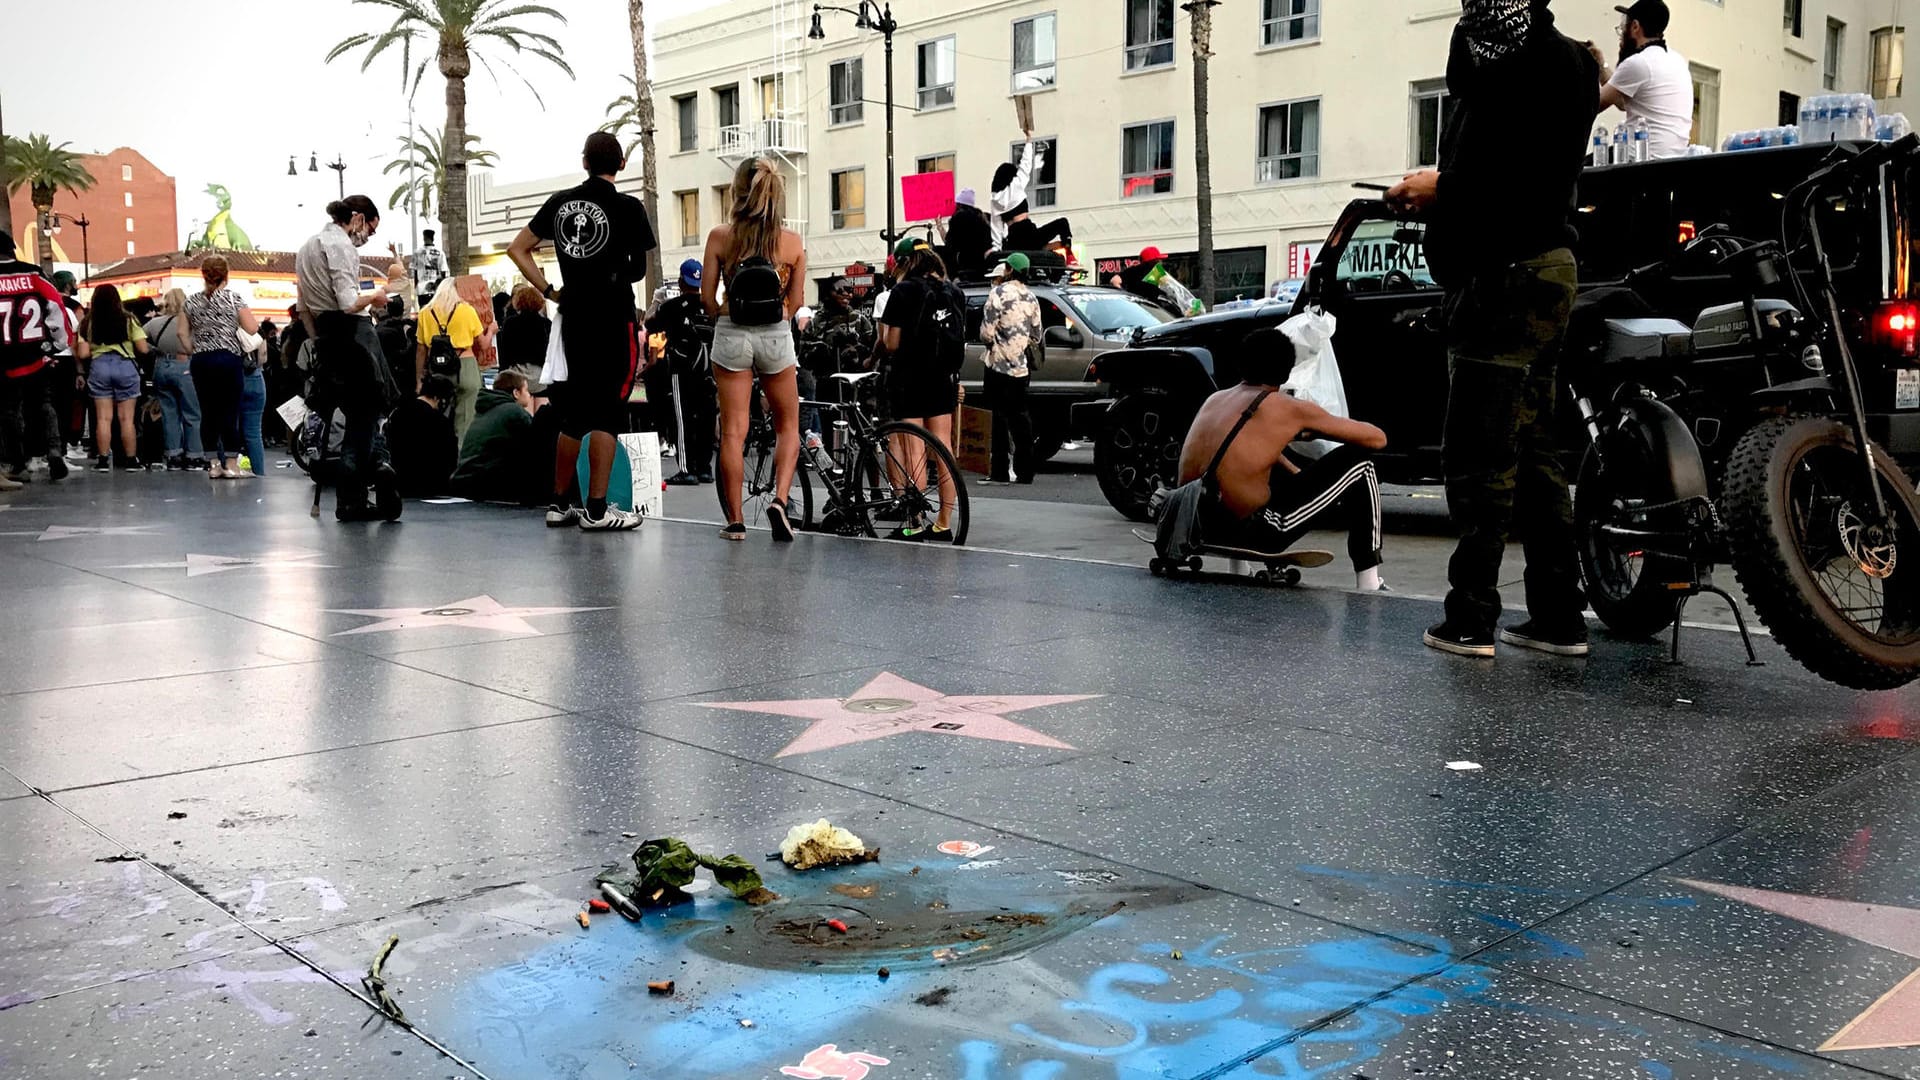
column 1257, row 499
column 420, row 442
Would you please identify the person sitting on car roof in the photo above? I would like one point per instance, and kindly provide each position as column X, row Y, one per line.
column 1652, row 83
column 1262, row 503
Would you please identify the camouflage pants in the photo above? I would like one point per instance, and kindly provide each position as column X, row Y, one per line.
column 1503, row 476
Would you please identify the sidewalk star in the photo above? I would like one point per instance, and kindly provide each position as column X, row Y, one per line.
column 890, row 705
column 481, row 612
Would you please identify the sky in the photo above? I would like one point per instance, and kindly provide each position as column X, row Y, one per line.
column 222, row 91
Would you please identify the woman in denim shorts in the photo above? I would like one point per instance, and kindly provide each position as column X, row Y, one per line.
column 109, row 341
column 755, row 230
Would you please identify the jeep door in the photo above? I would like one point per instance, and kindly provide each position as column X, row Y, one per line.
column 1372, row 278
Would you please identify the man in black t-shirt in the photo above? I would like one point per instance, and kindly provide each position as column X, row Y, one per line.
column 602, row 238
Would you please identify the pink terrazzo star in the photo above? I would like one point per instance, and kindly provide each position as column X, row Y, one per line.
column 890, row 705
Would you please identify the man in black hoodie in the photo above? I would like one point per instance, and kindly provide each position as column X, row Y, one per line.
column 1498, row 239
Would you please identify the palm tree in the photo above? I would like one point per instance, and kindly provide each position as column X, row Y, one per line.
column 422, row 157
column 637, row 112
column 45, row 170
column 447, row 32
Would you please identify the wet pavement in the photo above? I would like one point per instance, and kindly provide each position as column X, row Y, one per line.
column 1127, row 828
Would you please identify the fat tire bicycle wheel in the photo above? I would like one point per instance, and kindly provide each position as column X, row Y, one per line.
column 921, row 496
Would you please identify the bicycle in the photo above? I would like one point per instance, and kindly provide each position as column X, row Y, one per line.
column 881, row 472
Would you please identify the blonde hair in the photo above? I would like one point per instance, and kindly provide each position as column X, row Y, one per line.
column 445, row 299
column 213, row 270
column 759, row 211
column 174, row 302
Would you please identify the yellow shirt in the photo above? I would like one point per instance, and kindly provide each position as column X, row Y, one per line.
column 462, row 329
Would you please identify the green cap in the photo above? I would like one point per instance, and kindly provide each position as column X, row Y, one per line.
column 907, row 246
column 1019, row 263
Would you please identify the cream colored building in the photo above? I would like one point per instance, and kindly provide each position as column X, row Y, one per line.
column 1307, row 97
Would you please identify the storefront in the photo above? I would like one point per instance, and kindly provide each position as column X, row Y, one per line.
column 265, row 279
column 1239, row 273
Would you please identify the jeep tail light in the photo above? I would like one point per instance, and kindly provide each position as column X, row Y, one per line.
column 1898, row 328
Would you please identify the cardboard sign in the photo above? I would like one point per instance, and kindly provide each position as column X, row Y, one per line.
column 925, row 196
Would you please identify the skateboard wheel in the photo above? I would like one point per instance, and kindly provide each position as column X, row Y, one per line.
column 1292, row 576
column 1156, row 566
column 1193, row 563
column 1264, row 577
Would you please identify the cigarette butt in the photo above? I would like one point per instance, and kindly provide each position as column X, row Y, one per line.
column 837, row 925
column 599, row 907
column 665, row 987
column 584, row 921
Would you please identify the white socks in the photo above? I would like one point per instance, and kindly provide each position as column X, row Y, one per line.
column 1368, row 580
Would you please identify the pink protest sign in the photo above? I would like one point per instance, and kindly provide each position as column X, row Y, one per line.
column 925, row 196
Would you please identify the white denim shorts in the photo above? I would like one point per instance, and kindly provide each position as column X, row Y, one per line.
column 764, row 350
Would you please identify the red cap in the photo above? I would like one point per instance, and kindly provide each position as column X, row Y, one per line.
column 1151, row 254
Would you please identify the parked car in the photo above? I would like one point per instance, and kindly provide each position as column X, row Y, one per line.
column 1372, row 277
column 1081, row 322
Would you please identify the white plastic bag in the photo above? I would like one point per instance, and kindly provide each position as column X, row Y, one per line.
column 555, row 369
column 1316, row 374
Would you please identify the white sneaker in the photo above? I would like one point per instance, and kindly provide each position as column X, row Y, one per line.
column 9, row 485
column 559, row 517
column 37, row 464
column 614, row 521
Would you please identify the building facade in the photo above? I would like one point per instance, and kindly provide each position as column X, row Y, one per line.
column 131, row 210
column 265, row 280
column 1307, row 98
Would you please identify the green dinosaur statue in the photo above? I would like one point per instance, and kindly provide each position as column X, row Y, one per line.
column 223, row 233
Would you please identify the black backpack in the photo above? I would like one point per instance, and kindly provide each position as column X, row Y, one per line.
column 755, row 296
column 442, row 357
column 942, row 332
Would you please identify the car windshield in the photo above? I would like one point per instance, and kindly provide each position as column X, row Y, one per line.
column 1108, row 313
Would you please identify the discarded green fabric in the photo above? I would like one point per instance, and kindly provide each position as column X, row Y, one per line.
column 665, row 867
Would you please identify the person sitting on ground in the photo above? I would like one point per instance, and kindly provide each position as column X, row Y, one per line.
column 497, row 459
column 1259, row 501
column 420, row 440
column 1013, row 227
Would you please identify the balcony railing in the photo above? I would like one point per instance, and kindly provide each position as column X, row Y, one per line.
column 773, row 134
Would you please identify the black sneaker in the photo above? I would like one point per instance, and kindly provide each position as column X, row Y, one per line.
column 352, row 512
column 1568, row 641
column 777, row 521
column 386, row 493
column 103, row 463
column 131, row 464
column 1459, row 641
column 57, row 468
column 177, row 464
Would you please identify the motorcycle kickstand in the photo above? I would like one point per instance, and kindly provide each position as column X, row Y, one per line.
column 1739, row 621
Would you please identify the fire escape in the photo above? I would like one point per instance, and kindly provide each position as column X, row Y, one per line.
column 778, row 127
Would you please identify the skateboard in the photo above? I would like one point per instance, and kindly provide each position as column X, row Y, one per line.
column 1281, row 568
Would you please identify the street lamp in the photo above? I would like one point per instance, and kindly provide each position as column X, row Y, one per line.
column 339, row 167
column 871, row 15
column 52, row 228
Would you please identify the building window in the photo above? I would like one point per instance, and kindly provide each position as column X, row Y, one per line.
column 936, row 73
column 129, row 247
column 1432, row 108
column 723, row 198
column 850, row 199
column 686, row 116
column 1146, row 159
column 689, row 205
column 1149, row 34
column 1796, row 16
column 1706, row 106
column 1289, row 141
column 726, row 106
column 1284, row 22
column 1034, row 52
column 126, row 172
column 1789, row 109
column 1889, row 60
column 1044, row 189
column 129, row 224
column 1830, row 59
column 846, row 91
column 129, row 199
column 934, row 163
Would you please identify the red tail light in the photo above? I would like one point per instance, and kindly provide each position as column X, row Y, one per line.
column 1897, row 327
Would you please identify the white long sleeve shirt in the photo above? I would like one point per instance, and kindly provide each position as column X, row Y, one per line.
column 1003, row 201
column 327, row 269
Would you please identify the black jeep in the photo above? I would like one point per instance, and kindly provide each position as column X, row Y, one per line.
column 1371, row 276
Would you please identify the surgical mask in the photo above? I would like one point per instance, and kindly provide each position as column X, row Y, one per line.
column 359, row 234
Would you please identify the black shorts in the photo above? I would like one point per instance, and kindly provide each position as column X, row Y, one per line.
column 602, row 354
column 913, row 395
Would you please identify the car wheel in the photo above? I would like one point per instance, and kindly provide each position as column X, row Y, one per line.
column 1138, row 450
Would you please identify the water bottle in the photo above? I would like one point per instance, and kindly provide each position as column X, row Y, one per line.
column 1860, row 117
column 1641, row 148
column 1600, row 155
column 1622, row 146
column 817, row 453
column 1790, row 136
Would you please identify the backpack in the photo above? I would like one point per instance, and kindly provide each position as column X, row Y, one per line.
column 755, row 296
column 942, row 330
column 442, row 357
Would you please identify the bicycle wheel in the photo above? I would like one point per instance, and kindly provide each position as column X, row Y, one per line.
column 760, row 484
column 915, row 479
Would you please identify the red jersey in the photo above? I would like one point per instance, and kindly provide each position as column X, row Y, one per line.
column 33, row 320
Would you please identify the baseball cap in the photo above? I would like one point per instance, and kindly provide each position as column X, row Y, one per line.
column 1015, row 263
column 908, row 245
column 1151, row 254
column 803, row 313
column 1652, row 15
column 690, row 272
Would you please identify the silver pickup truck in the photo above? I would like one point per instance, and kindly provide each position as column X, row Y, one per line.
column 1081, row 322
